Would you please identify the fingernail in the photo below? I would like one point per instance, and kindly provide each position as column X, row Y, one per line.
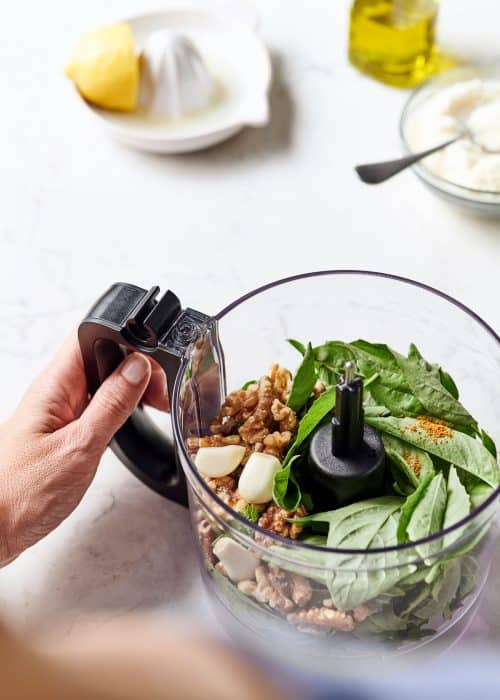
column 135, row 369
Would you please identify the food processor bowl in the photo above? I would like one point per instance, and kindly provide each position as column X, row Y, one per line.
column 376, row 597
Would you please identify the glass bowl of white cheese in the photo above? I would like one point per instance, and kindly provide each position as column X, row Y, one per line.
column 467, row 172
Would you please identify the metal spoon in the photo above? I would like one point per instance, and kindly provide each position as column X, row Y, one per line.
column 373, row 173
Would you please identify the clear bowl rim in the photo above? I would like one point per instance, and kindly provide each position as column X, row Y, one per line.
column 469, row 194
column 297, row 544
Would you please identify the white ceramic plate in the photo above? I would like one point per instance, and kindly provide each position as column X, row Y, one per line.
column 240, row 64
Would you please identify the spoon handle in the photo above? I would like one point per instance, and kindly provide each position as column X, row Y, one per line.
column 373, row 173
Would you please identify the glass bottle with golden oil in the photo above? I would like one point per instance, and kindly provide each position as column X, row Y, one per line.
column 394, row 40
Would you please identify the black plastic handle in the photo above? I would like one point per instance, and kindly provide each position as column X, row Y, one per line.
column 129, row 319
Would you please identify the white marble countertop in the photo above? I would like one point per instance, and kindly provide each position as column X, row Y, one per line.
column 79, row 212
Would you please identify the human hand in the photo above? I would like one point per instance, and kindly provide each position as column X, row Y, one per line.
column 130, row 658
column 52, row 444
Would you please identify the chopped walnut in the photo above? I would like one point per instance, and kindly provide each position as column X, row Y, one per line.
column 318, row 389
column 281, row 379
column 279, row 589
column 259, row 414
column 360, row 613
column 276, row 520
column 275, row 443
column 323, row 618
column 225, row 487
column 207, row 537
column 284, row 415
column 301, row 590
column 193, row 443
column 270, row 587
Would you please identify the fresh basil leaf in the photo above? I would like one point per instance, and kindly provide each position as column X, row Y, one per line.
column 414, row 353
column 445, row 379
column 470, row 572
column 318, row 540
column 427, row 516
column 311, row 419
column 373, row 512
column 251, row 513
column 249, row 383
column 413, row 462
column 286, row 491
column 488, row 443
column 457, row 506
column 297, row 345
column 443, row 592
column 383, row 621
column 456, row 448
column 478, row 493
column 331, row 358
column 351, row 579
column 303, row 381
column 448, row 383
column 402, row 488
column 426, row 386
column 307, row 501
column 376, row 411
column 390, row 389
column 409, row 506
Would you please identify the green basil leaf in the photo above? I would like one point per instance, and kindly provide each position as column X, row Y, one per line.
column 409, row 506
column 413, row 462
column 427, row 516
column 457, row 506
column 448, row 383
column 390, row 389
column 249, row 383
column 478, row 493
column 286, row 491
column 311, row 419
column 426, row 386
column 250, row 512
column 376, row 411
column 307, row 501
column 331, row 358
column 303, row 381
column 297, row 345
column 445, row 379
column 351, row 579
column 458, row 448
column 488, row 443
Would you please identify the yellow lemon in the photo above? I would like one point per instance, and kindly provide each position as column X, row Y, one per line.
column 105, row 67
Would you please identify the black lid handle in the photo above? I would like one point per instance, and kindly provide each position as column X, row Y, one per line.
column 130, row 319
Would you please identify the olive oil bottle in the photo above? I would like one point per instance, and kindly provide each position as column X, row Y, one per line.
column 394, row 40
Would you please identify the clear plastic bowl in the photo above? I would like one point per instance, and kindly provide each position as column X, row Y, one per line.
column 400, row 582
column 479, row 201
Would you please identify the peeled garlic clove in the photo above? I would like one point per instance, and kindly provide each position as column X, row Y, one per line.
column 239, row 563
column 218, row 461
column 257, row 478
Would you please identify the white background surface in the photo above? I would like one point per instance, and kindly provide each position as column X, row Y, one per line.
column 78, row 212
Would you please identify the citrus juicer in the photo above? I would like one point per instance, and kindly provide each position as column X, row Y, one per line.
column 204, row 354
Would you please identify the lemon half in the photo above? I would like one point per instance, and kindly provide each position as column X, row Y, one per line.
column 105, row 67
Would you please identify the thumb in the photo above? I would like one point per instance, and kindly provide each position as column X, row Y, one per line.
column 115, row 400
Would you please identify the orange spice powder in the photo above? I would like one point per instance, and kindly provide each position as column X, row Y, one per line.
column 434, row 428
column 413, row 462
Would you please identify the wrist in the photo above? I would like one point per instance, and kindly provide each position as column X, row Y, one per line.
column 6, row 553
